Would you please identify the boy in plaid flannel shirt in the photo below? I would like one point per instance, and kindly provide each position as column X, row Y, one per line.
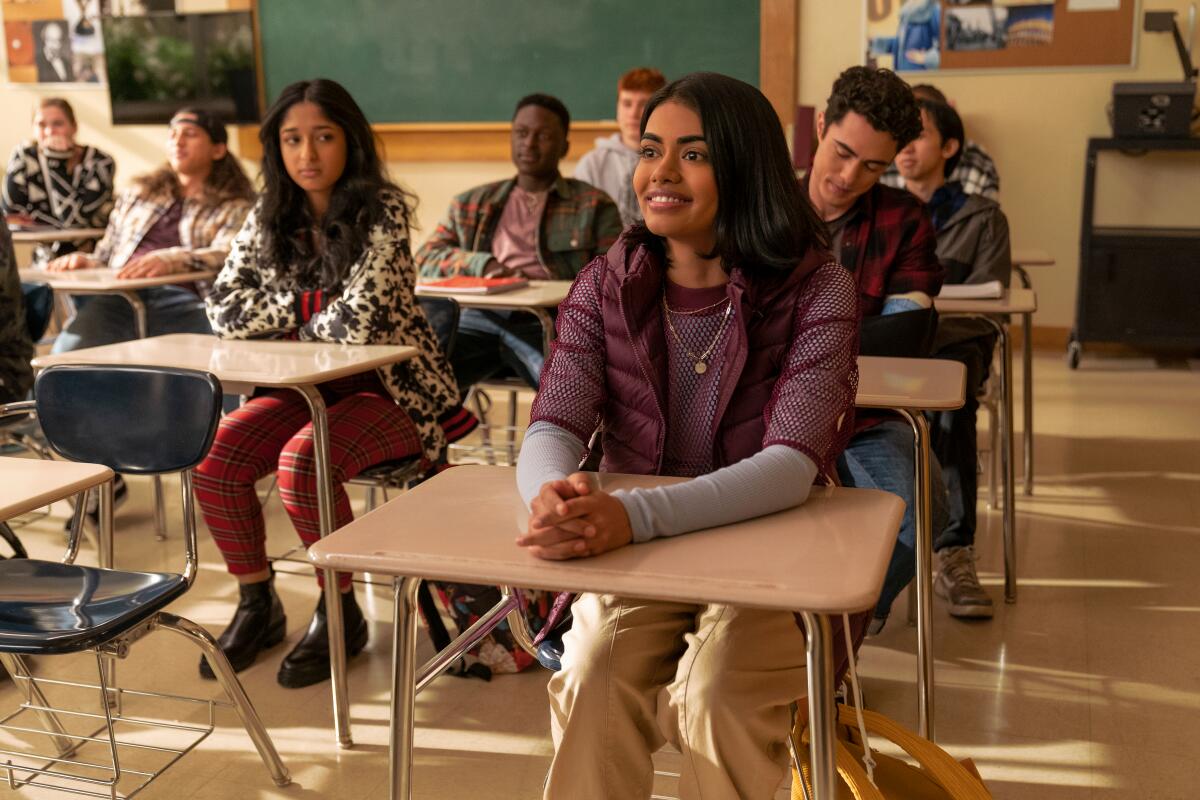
column 180, row 218
column 884, row 236
column 538, row 224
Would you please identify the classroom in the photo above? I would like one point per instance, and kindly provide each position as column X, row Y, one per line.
column 773, row 399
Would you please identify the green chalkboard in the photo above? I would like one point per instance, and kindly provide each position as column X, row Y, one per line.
column 470, row 60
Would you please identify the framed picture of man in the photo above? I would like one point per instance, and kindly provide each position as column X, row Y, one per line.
column 52, row 51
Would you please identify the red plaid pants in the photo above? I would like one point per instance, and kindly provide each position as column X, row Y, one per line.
column 273, row 433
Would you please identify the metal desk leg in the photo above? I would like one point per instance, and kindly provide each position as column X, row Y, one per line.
column 821, row 716
column 1007, row 470
column 160, row 510
column 1027, row 399
column 1027, row 384
column 142, row 329
column 106, row 558
column 923, row 516
column 404, row 675
column 543, row 316
column 333, row 594
column 139, row 313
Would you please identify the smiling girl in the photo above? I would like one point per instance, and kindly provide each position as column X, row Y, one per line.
column 323, row 257
column 717, row 341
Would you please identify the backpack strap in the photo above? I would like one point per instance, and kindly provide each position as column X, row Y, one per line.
column 935, row 762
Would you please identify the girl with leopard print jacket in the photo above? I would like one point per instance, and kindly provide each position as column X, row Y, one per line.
column 251, row 299
column 324, row 256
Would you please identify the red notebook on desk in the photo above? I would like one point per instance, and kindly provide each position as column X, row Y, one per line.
column 468, row 285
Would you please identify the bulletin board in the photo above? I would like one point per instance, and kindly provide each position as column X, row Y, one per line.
column 59, row 41
column 949, row 35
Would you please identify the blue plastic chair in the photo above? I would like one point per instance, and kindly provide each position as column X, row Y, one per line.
column 137, row 421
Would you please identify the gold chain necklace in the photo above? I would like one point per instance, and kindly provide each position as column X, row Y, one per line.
column 693, row 311
column 698, row 361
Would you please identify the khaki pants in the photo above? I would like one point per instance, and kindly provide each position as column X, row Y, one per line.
column 714, row 681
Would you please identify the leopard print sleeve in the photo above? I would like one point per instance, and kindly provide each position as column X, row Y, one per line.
column 240, row 305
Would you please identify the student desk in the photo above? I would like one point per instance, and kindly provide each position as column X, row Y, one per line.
column 1014, row 301
column 242, row 366
column 29, row 483
column 537, row 298
column 910, row 386
column 103, row 280
column 1020, row 260
column 824, row 558
column 48, row 235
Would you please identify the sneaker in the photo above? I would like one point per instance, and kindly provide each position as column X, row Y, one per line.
column 958, row 584
column 92, row 511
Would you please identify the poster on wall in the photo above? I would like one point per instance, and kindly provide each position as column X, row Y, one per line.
column 87, row 47
column 904, row 36
column 59, row 41
column 923, row 35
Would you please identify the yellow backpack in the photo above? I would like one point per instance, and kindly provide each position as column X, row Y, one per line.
column 939, row 777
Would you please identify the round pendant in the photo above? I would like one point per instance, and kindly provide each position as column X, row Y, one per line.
column 701, row 368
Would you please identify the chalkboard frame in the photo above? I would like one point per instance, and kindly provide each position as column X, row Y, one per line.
column 489, row 141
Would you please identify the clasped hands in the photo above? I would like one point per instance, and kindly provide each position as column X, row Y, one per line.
column 570, row 519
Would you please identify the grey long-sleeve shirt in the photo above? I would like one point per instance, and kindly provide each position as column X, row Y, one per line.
column 773, row 479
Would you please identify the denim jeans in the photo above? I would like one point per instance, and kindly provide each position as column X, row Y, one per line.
column 490, row 340
column 107, row 319
column 882, row 457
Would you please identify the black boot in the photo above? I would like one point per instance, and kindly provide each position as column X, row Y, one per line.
column 308, row 663
column 258, row 623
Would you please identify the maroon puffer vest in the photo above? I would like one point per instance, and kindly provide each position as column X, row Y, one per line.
column 635, row 417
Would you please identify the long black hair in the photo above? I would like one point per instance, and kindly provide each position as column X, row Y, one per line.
column 763, row 217
column 354, row 207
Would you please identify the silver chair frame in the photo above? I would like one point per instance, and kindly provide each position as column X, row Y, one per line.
column 51, row 771
column 479, row 398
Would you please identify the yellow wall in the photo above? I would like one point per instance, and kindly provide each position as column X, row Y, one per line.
column 1034, row 124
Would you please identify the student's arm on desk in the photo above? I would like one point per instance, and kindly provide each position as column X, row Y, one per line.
column 776, row 478
column 224, row 226
column 444, row 254
column 808, row 413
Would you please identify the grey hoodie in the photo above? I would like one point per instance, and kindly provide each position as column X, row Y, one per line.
column 609, row 167
column 973, row 247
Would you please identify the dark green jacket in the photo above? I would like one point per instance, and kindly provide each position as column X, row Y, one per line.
column 16, row 376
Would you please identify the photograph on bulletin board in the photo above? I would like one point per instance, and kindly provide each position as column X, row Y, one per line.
column 60, row 41
column 923, row 35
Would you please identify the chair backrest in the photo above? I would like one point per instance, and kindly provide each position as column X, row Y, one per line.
column 135, row 420
column 443, row 314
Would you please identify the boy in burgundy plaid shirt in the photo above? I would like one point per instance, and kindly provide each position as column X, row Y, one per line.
column 539, row 225
column 885, row 238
